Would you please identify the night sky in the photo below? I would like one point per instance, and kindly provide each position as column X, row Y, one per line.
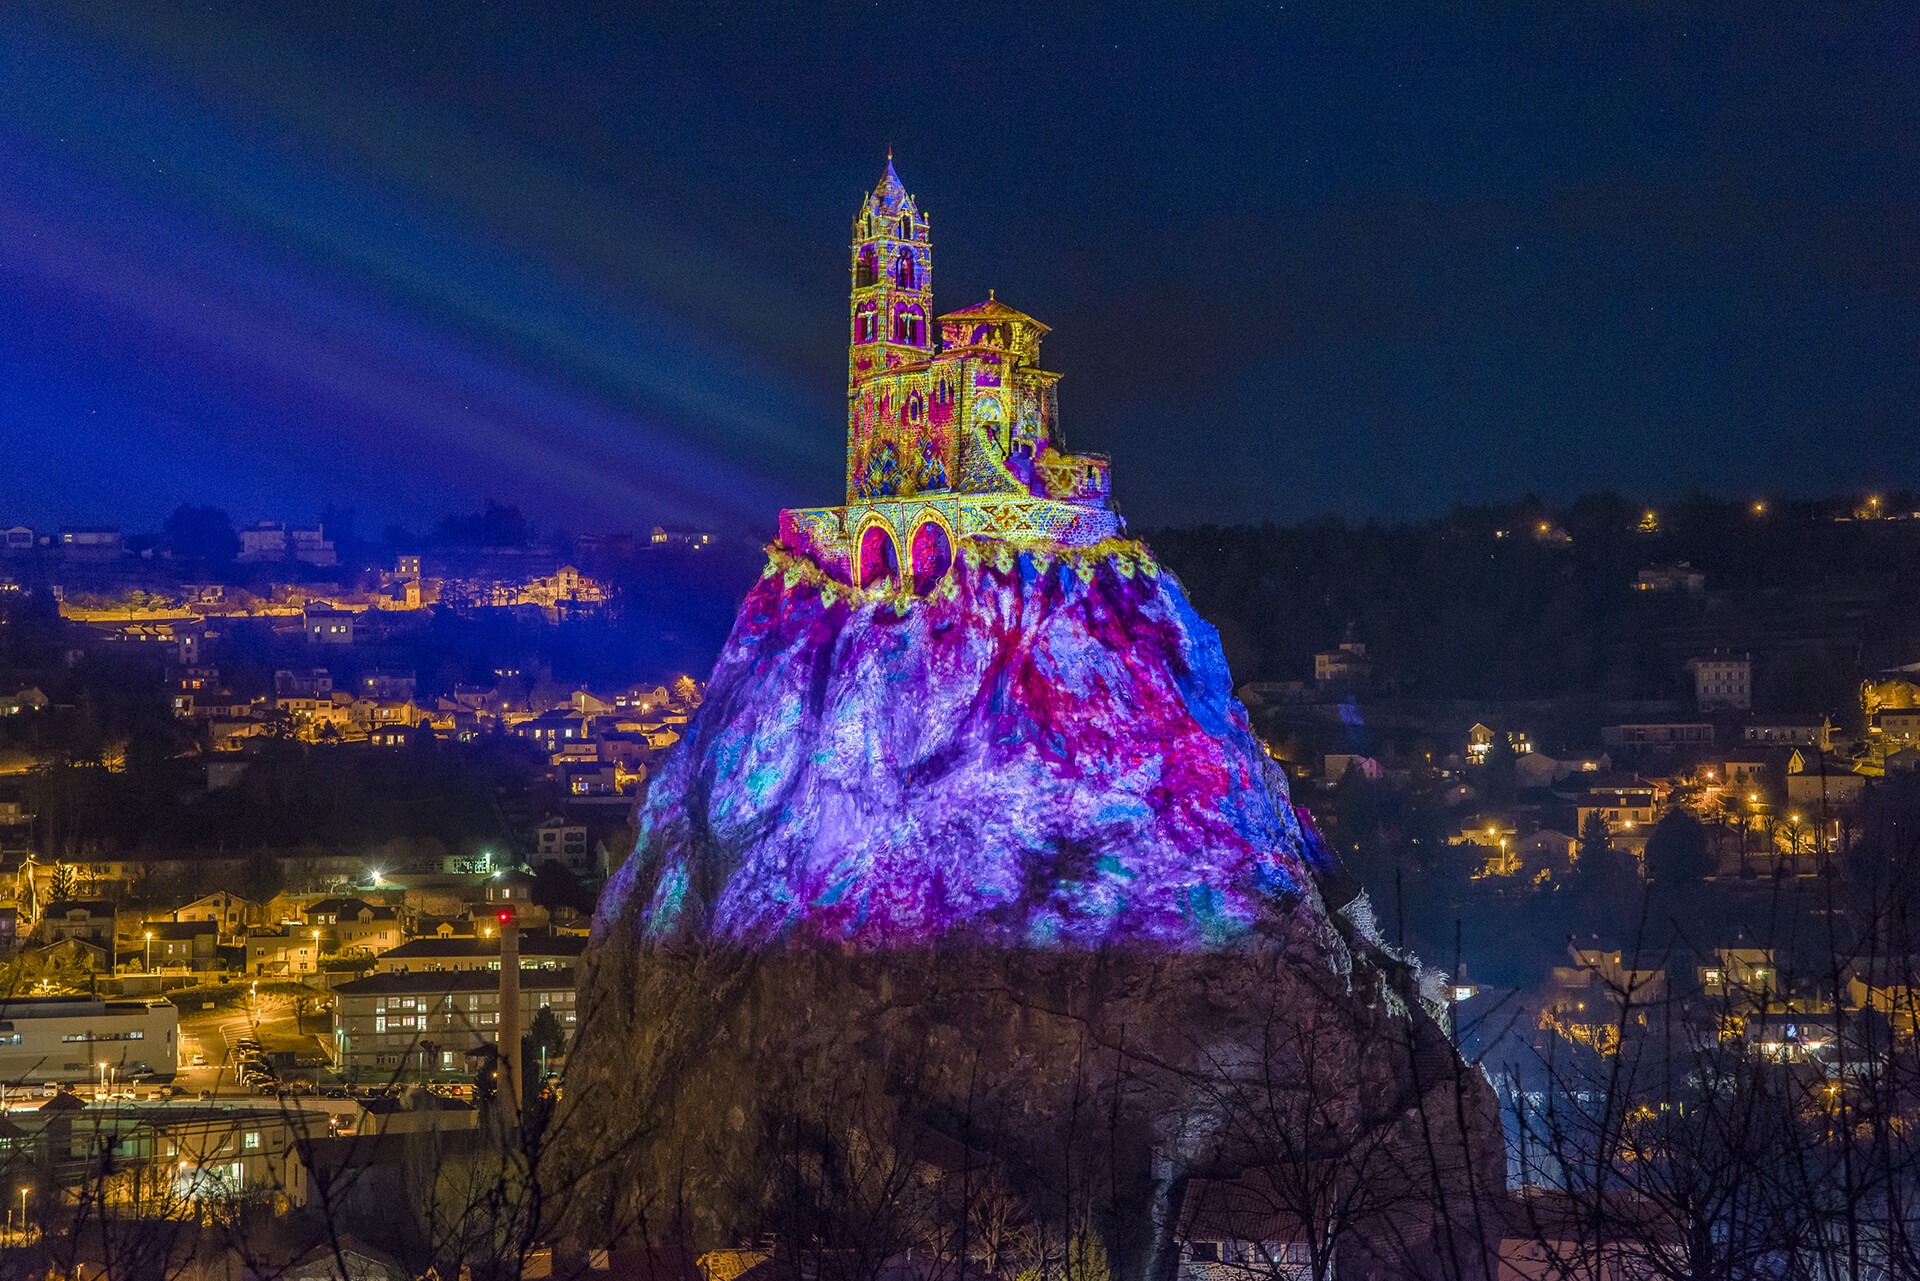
column 405, row 257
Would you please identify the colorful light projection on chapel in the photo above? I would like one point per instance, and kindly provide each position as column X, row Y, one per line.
column 944, row 442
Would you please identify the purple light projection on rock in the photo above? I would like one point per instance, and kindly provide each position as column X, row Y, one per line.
column 1044, row 751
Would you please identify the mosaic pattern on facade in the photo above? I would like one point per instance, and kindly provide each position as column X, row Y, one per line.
column 960, row 430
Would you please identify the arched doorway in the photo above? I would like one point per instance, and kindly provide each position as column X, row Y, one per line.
column 932, row 556
column 879, row 559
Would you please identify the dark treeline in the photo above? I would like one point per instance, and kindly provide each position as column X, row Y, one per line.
column 1532, row 601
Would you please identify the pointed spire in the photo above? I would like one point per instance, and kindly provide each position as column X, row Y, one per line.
column 891, row 194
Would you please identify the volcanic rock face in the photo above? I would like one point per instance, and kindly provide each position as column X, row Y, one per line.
column 1046, row 751
column 999, row 868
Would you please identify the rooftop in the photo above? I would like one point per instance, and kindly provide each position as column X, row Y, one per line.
column 432, row 982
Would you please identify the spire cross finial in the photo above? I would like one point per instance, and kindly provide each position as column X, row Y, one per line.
column 989, row 295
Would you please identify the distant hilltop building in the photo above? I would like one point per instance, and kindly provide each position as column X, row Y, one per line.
column 674, row 536
column 1722, row 680
column 1677, row 577
column 943, row 441
column 270, row 541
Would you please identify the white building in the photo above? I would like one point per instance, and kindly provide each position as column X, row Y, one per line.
column 269, row 540
column 431, row 1019
column 1722, row 680
column 67, row 1038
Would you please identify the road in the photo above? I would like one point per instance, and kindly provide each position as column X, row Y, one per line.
column 214, row 1033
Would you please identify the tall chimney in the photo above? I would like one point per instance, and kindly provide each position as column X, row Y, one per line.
column 507, row 1072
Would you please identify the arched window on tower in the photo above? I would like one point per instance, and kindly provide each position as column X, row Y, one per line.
column 906, row 226
column 906, row 272
column 865, row 326
column 909, row 325
column 864, row 273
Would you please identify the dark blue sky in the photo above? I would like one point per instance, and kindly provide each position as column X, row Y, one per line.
column 403, row 257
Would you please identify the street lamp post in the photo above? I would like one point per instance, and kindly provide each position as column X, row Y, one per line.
column 23, row 1213
column 149, row 951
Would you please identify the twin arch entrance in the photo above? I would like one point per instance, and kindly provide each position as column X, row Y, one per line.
column 929, row 556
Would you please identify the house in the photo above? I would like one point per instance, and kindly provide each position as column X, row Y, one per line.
column 72, row 952
column 1898, row 724
column 419, row 1111
column 1816, row 779
column 90, row 541
column 1722, row 681
column 175, row 945
column 325, row 625
column 310, row 545
column 1890, row 986
column 350, row 924
column 1553, row 1236
column 1798, row 733
column 1344, row 665
column 629, row 752
column 385, row 713
column 386, row 684
column 1740, row 771
column 345, row 1259
column 557, row 841
column 1626, row 804
column 87, row 920
column 262, row 542
column 223, row 907
column 1547, row 849
column 269, row 541
column 643, row 698
column 1242, row 1228
column 28, row 698
column 309, row 682
column 511, row 888
column 1679, row 577
column 288, row 950
column 1491, row 831
column 17, row 538
column 551, row 729
column 1585, row 1000
column 1747, row 974
column 590, row 779
column 1664, row 736
column 226, row 734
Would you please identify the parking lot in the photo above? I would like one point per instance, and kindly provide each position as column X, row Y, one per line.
column 230, row 1052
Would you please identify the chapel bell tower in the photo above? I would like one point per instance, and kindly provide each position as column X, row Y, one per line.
column 892, row 298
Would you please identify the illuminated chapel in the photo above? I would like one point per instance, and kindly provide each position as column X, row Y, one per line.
column 949, row 437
